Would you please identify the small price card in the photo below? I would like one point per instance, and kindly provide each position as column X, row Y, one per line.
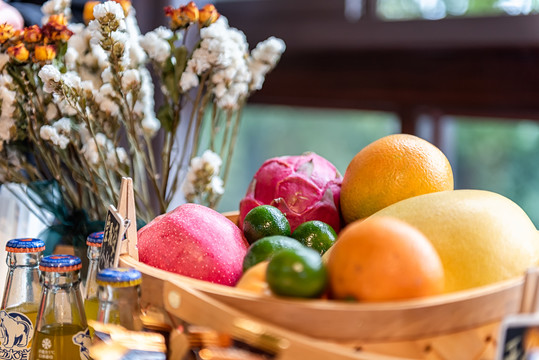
column 519, row 333
column 120, row 225
column 519, row 338
column 115, row 227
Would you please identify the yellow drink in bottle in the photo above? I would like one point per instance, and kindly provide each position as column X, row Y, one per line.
column 30, row 310
column 61, row 329
column 21, row 298
column 90, row 307
column 58, row 342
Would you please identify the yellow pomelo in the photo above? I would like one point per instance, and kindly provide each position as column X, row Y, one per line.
column 481, row 237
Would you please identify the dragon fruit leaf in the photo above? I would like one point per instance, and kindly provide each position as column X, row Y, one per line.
column 246, row 205
column 298, row 193
column 306, row 168
column 267, row 178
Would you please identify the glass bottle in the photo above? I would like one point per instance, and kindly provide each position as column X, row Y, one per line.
column 91, row 302
column 119, row 297
column 61, row 330
column 21, row 297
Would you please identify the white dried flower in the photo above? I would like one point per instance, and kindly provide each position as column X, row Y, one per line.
column 4, row 59
column 120, row 36
column 122, row 155
column 258, row 71
column 101, row 140
column 87, row 86
column 71, row 57
column 106, row 75
column 61, row 141
column 269, row 51
column 130, row 79
column 50, row 76
column 72, row 80
column 212, row 160
column 89, row 151
column 7, row 108
column 116, row 156
column 150, row 124
column 52, row 7
column 109, row 8
column 84, row 133
column 63, row 126
column 110, row 107
column 200, row 61
column 5, row 80
column 65, row 107
column 163, row 32
column 188, row 80
column 137, row 56
column 46, row 132
column 78, row 42
column 157, row 48
column 52, row 112
column 100, row 56
column 94, row 29
column 105, row 97
column 55, row 6
column 202, row 176
column 49, row 133
column 76, row 28
column 216, row 185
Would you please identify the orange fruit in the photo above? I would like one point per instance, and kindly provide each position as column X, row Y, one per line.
column 254, row 279
column 383, row 259
column 390, row 169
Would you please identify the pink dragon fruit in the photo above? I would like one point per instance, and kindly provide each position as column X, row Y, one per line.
column 305, row 187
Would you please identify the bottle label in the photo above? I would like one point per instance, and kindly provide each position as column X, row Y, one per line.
column 83, row 341
column 15, row 335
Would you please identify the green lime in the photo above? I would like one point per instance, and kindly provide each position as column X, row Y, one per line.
column 264, row 220
column 297, row 273
column 265, row 248
column 315, row 234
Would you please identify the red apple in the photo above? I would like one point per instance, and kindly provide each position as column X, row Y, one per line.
column 194, row 241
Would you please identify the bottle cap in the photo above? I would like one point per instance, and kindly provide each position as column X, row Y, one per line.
column 28, row 245
column 119, row 277
column 95, row 239
column 60, row 263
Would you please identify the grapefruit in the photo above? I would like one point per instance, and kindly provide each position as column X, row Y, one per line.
column 481, row 237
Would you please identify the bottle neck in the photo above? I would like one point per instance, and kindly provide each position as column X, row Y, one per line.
column 23, row 259
column 121, row 306
column 22, row 289
column 60, row 280
column 93, row 252
column 90, row 288
column 61, row 300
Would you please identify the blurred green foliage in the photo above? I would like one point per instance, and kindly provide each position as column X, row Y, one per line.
column 270, row 131
column 418, row 9
column 500, row 156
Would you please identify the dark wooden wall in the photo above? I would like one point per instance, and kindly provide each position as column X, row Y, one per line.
column 483, row 67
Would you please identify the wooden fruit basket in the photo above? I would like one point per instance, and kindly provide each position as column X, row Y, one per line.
column 462, row 325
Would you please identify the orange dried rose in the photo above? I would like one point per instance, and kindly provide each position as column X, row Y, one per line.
column 207, row 15
column 32, row 34
column 18, row 52
column 6, row 32
column 88, row 12
column 44, row 52
column 183, row 16
column 56, row 28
